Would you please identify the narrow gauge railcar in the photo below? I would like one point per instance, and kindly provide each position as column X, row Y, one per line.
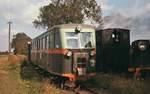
column 140, row 55
column 112, row 50
column 66, row 50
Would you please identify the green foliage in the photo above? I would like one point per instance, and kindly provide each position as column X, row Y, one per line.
column 68, row 11
column 19, row 43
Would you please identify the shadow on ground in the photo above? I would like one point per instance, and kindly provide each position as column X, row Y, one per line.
column 28, row 72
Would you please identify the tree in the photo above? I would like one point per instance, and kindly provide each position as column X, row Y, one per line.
column 19, row 43
column 68, row 11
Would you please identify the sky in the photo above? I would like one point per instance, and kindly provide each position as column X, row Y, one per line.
column 129, row 14
column 135, row 14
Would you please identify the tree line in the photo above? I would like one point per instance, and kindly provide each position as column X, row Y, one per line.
column 59, row 12
column 68, row 11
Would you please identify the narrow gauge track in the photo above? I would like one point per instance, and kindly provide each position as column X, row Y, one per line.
column 82, row 89
column 87, row 90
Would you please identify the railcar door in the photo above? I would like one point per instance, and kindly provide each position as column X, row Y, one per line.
column 56, row 52
column 80, row 63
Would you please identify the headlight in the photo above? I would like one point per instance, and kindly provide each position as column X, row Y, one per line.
column 116, row 36
column 92, row 53
column 29, row 42
column 113, row 35
column 142, row 47
column 69, row 53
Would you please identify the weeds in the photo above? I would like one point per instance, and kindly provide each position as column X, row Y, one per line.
column 116, row 84
column 18, row 77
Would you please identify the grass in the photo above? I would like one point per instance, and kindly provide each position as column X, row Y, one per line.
column 18, row 77
column 116, row 84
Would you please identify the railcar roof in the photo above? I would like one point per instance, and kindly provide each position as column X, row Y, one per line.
column 73, row 26
column 66, row 26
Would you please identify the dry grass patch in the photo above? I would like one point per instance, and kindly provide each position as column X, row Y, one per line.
column 3, row 59
column 18, row 77
column 48, row 88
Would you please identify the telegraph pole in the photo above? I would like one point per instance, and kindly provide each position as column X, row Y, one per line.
column 9, row 30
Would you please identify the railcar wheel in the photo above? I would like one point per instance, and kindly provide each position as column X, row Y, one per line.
column 62, row 86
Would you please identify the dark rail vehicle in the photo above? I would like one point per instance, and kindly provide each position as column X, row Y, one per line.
column 112, row 50
column 66, row 50
column 140, row 55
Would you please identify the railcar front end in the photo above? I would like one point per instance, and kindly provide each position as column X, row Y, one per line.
column 140, row 55
column 79, row 56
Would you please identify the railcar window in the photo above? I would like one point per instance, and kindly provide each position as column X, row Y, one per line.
column 57, row 43
column 72, row 43
column 39, row 44
column 45, row 42
column 49, row 42
column 81, row 40
column 70, row 34
column 33, row 45
column 36, row 44
column 72, row 40
column 86, row 39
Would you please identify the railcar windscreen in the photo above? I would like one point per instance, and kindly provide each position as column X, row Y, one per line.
column 80, row 40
